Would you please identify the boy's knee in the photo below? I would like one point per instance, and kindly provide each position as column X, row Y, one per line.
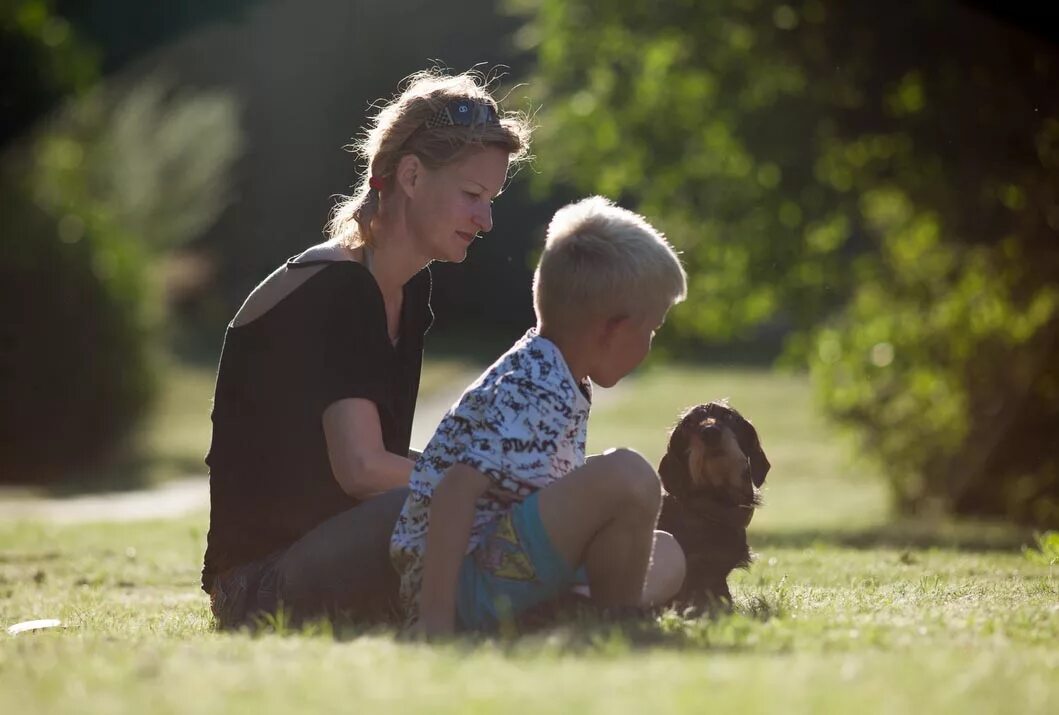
column 669, row 568
column 635, row 478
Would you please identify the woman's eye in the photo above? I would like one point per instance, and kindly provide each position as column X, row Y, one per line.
column 472, row 195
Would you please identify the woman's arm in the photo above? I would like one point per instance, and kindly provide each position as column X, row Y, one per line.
column 359, row 460
column 451, row 518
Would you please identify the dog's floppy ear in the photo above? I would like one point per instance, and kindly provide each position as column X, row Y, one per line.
column 748, row 440
column 673, row 469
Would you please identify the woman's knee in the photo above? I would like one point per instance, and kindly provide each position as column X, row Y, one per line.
column 347, row 553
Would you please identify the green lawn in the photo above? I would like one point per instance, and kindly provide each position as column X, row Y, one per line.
column 844, row 609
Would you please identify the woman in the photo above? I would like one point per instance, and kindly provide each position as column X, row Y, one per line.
column 320, row 368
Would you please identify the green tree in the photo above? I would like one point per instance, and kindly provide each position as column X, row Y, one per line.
column 872, row 176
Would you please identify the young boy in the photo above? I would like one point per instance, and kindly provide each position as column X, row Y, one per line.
column 504, row 508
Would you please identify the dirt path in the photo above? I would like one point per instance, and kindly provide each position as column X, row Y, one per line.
column 173, row 498
column 179, row 497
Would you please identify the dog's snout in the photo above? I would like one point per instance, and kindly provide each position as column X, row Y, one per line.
column 711, row 433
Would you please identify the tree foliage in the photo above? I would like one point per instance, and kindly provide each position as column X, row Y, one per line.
column 883, row 179
column 45, row 61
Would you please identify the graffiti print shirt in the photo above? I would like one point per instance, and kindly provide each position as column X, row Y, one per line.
column 523, row 424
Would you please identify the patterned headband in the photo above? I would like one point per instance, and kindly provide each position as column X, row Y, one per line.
column 464, row 112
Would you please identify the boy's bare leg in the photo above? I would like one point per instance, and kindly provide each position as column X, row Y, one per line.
column 665, row 573
column 603, row 515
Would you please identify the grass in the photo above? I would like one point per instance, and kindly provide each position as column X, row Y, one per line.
column 844, row 609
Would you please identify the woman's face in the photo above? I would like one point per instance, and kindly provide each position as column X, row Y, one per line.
column 452, row 204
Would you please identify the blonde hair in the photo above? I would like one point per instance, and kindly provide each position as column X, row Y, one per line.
column 602, row 261
column 399, row 129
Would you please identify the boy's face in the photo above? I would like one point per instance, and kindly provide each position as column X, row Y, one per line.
column 623, row 345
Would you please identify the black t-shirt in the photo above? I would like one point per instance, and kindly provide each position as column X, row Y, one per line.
column 270, row 475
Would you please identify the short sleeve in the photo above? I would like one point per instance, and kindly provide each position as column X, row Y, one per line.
column 354, row 355
column 520, row 424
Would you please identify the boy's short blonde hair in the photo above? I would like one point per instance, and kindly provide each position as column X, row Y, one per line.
column 601, row 261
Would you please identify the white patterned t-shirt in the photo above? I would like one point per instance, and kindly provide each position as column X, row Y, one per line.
column 523, row 424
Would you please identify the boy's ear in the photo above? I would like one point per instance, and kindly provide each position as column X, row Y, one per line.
column 409, row 172
column 607, row 329
column 614, row 323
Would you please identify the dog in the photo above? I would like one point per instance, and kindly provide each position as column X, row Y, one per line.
column 712, row 472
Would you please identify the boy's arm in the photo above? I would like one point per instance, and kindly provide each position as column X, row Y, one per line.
column 451, row 518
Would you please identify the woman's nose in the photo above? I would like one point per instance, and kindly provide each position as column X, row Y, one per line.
column 483, row 218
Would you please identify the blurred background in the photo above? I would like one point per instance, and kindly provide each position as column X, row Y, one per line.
column 866, row 196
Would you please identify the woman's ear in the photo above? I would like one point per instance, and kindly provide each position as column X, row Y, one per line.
column 409, row 173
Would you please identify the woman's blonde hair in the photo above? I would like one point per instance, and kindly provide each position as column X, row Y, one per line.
column 601, row 261
column 400, row 128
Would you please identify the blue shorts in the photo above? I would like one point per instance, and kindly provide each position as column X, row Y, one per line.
column 513, row 568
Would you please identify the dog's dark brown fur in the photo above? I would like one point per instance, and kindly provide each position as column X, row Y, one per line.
column 712, row 470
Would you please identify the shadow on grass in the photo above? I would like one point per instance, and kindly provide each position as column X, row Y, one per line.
column 902, row 534
column 571, row 630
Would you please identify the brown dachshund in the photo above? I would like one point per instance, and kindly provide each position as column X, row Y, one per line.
column 712, row 471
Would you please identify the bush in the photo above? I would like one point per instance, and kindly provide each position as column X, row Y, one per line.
column 76, row 370
column 947, row 364
column 92, row 201
column 92, row 197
